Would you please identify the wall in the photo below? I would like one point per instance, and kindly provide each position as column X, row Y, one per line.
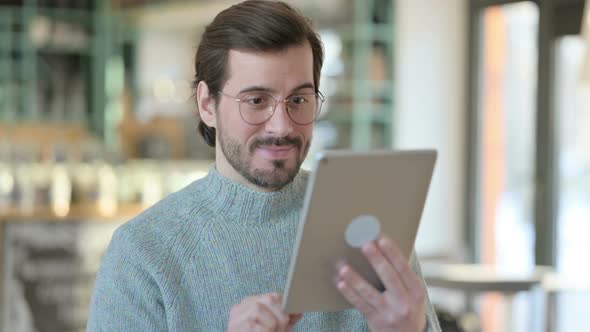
column 429, row 112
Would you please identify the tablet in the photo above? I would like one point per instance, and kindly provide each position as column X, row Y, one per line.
column 352, row 198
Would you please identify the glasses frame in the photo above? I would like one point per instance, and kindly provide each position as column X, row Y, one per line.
column 317, row 93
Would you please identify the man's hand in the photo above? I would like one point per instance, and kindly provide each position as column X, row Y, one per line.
column 261, row 313
column 401, row 307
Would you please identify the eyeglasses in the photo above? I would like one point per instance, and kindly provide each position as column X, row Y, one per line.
column 257, row 108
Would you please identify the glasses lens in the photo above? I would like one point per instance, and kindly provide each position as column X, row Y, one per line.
column 303, row 108
column 256, row 108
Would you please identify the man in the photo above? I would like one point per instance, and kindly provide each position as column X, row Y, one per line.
column 215, row 255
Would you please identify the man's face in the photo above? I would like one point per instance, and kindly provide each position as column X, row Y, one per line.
column 266, row 155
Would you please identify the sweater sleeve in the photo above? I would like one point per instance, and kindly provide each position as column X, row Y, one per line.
column 126, row 296
column 431, row 319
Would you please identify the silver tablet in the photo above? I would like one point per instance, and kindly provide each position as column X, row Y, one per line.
column 351, row 198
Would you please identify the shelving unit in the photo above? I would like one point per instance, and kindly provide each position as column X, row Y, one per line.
column 54, row 62
column 97, row 56
column 361, row 108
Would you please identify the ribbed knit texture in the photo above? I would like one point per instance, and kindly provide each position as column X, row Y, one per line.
column 183, row 263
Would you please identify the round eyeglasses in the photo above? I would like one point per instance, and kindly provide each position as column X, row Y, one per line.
column 257, row 107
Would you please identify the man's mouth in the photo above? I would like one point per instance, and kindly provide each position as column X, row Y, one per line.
column 276, row 148
column 275, row 151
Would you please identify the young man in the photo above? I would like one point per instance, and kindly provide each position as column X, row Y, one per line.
column 215, row 255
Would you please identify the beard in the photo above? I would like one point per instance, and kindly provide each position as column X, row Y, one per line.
column 280, row 173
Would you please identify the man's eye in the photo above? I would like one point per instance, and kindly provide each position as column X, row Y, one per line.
column 297, row 100
column 256, row 100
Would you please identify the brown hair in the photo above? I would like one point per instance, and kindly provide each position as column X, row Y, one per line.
column 258, row 25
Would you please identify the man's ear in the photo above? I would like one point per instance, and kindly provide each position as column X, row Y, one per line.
column 206, row 104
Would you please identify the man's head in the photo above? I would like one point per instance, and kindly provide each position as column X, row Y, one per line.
column 255, row 52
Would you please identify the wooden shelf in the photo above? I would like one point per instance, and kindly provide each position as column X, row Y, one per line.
column 77, row 213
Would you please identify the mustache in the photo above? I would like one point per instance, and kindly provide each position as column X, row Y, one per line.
column 276, row 141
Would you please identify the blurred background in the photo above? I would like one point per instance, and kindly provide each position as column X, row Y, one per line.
column 97, row 122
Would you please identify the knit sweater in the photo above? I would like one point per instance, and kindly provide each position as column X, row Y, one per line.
column 183, row 263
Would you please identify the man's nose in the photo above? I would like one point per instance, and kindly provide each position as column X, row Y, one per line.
column 279, row 124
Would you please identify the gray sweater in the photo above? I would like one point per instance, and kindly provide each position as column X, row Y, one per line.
column 183, row 263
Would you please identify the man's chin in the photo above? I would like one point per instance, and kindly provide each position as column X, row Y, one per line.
column 274, row 177
column 273, row 165
column 276, row 172
column 274, row 182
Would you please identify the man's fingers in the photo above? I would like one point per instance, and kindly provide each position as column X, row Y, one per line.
column 354, row 298
column 259, row 313
column 362, row 288
column 385, row 270
column 273, row 302
column 358, row 291
column 395, row 256
column 262, row 315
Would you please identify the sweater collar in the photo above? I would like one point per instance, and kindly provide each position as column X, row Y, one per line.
column 237, row 201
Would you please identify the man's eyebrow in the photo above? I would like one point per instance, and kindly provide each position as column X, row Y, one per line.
column 259, row 88
column 256, row 88
column 304, row 86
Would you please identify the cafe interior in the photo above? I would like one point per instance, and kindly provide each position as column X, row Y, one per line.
column 98, row 122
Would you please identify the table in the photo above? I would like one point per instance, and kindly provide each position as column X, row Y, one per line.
column 478, row 278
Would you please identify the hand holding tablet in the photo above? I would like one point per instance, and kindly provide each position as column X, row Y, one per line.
column 353, row 198
column 401, row 305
